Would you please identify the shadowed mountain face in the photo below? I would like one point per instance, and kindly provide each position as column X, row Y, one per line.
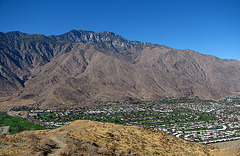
column 80, row 67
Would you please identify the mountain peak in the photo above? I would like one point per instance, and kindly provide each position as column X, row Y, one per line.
column 57, row 70
column 16, row 34
column 104, row 39
column 87, row 36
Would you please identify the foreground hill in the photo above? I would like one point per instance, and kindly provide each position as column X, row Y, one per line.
column 80, row 67
column 95, row 138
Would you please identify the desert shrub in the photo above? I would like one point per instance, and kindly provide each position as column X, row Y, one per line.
column 103, row 151
column 44, row 146
column 68, row 153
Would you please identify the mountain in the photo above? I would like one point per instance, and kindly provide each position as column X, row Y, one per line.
column 80, row 67
column 96, row 138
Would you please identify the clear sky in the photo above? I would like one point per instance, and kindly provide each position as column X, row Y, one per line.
column 207, row 26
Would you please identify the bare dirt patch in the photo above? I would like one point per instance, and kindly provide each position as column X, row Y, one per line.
column 230, row 148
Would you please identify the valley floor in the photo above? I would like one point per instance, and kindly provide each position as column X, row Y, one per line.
column 203, row 121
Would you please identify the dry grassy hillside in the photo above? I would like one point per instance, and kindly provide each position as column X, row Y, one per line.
column 95, row 138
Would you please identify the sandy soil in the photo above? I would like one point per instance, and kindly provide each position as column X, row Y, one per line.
column 230, row 148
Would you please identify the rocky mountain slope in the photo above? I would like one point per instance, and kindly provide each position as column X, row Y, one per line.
column 80, row 67
column 96, row 138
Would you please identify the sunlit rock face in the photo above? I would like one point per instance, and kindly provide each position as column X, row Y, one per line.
column 80, row 67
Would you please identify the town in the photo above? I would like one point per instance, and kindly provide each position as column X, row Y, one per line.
column 203, row 121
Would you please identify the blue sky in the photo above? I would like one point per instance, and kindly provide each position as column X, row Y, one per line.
column 207, row 26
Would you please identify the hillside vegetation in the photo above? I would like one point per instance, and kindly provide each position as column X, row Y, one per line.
column 96, row 138
column 17, row 124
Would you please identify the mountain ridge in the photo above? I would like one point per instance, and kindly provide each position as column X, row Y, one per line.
column 80, row 67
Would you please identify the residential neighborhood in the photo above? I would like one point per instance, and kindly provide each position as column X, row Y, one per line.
column 203, row 121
